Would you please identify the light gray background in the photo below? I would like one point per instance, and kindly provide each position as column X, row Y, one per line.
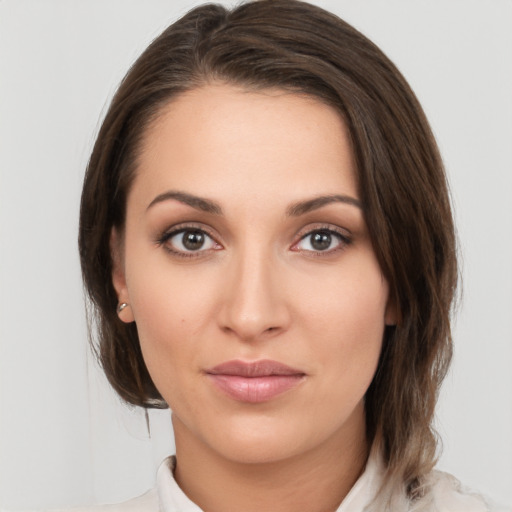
column 64, row 437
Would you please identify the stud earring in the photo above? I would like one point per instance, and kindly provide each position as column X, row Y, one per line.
column 122, row 306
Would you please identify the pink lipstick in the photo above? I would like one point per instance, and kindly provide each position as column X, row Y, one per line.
column 254, row 382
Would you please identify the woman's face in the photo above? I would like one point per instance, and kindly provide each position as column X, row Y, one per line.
column 246, row 261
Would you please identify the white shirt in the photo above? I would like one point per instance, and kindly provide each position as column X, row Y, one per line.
column 447, row 495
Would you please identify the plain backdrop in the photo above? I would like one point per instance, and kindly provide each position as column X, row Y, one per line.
column 65, row 439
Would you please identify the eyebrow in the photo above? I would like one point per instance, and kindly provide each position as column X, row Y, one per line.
column 199, row 203
column 303, row 207
column 294, row 210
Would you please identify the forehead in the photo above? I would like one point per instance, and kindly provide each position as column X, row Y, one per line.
column 223, row 140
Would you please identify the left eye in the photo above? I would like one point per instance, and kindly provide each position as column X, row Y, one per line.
column 190, row 240
column 320, row 241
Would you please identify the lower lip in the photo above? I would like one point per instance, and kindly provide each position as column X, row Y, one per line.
column 255, row 389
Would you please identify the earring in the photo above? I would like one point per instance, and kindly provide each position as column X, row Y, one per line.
column 122, row 306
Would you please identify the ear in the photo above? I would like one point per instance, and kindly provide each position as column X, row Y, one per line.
column 119, row 276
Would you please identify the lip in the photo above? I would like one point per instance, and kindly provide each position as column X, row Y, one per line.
column 256, row 381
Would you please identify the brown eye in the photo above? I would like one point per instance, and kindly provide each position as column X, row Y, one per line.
column 322, row 241
column 193, row 240
column 186, row 241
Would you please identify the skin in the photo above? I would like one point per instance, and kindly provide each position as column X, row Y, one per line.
column 256, row 290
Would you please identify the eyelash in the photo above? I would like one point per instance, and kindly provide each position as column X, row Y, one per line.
column 343, row 238
column 168, row 235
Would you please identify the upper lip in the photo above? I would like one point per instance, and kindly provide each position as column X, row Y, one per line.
column 260, row 368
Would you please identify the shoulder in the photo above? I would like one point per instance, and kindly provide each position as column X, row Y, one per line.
column 148, row 502
column 449, row 495
column 439, row 491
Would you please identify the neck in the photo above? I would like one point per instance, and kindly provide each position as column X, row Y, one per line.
column 316, row 481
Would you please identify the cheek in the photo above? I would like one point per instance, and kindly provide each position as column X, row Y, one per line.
column 164, row 294
column 168, row 341
column 168, row 310
column 350, row 303
column 167, row 306
column 346, row 317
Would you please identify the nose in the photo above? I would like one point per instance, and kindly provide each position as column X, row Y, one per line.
column 254, row 305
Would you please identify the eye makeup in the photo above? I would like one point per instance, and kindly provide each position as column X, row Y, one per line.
column 188, row 240
column 194, row 240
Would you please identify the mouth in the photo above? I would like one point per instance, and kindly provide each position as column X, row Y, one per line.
column 254, row 382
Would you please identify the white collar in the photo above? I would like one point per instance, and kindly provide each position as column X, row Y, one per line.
column 173, row 499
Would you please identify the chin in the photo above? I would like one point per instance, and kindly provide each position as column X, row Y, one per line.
column 258, row 450
column 267, row 442
column 248, row 440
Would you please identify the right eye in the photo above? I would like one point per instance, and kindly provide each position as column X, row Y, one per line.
column 188, row 242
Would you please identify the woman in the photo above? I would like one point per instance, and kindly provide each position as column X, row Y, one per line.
column 267, row 241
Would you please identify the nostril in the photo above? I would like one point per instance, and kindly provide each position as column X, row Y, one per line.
column 272, row 330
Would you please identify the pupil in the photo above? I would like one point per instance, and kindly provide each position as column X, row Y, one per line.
column 193, row 240
column 321, row 240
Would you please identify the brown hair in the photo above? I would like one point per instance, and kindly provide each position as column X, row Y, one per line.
column 298, row 47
